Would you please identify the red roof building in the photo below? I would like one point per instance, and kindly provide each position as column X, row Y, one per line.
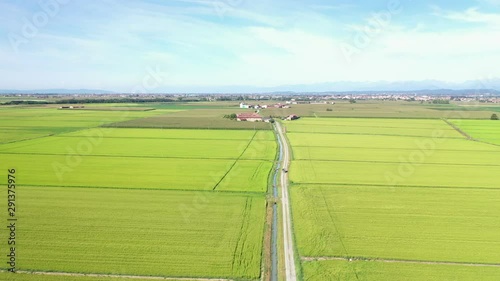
column 250, row 117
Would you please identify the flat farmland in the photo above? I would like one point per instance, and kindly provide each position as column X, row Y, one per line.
column 176, row 203
column 153, row 143
column 117, row 172
column 7, row 276
column 453, row 225
column 9, row 134
column 26, row 123
column 173, row 134
column 246, row 176
column 388, row 155
column 132, row 147
column 387, row 271
column 370, row 173
column 195, row 119
column 398, row 203
column 384, row 109
column 423, row 128
column 385, row 142
column 129, row 232
column 172, row 159
column 482, row 130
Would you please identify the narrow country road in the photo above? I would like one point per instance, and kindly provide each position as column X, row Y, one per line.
column 290, row 271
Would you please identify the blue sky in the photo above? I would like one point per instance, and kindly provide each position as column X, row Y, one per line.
column 158, row 45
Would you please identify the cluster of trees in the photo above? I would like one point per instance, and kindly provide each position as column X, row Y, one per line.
column 230, row 116
column 441, row 102
column 113, row 100
column 16, row 102
column 81, row 101
column 494, row 117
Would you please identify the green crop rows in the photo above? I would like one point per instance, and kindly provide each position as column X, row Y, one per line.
column 381, row 271
column 145, row 202
column 159, row 233
column 405, row 199
column 482, row 130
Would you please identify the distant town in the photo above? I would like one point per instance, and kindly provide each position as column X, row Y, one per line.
column 286, row 99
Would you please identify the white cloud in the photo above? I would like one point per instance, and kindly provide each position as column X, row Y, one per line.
column 266, row 50
column 471, row 15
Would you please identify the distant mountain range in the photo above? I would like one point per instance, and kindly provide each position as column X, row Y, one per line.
column 418, row 87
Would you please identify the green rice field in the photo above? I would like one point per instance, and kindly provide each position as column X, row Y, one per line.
column 28, row 123
column 7, row 276
column 177, row 203
column 454, row 225
column 159, row 233
column 380, row 271
column 481, row 130
column 385, row 192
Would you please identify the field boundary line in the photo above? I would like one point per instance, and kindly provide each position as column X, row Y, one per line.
column 235, row 161
column 393, row 186
column 389, row 162
column 130, row 156
column 35, row 138
column 153, row 138
column 232, row 192
column 97, row 275
column 366, row 126
column 365, row 134
column 387, row 148
column 351, row 259
column 465, row 134
column 57, row 134
column 184, row 128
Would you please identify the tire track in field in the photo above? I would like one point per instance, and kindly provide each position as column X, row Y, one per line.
column 350, row 259
column 235, row 161
column 333, row 218
column 97, row 275
column 28, row 139
column 242, row 237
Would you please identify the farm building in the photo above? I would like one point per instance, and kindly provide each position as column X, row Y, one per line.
column 292, row 117
column 243, row 105
column 250, row 117
column 72, row 107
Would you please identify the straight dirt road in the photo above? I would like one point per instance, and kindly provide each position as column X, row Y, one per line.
column 290, row 270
